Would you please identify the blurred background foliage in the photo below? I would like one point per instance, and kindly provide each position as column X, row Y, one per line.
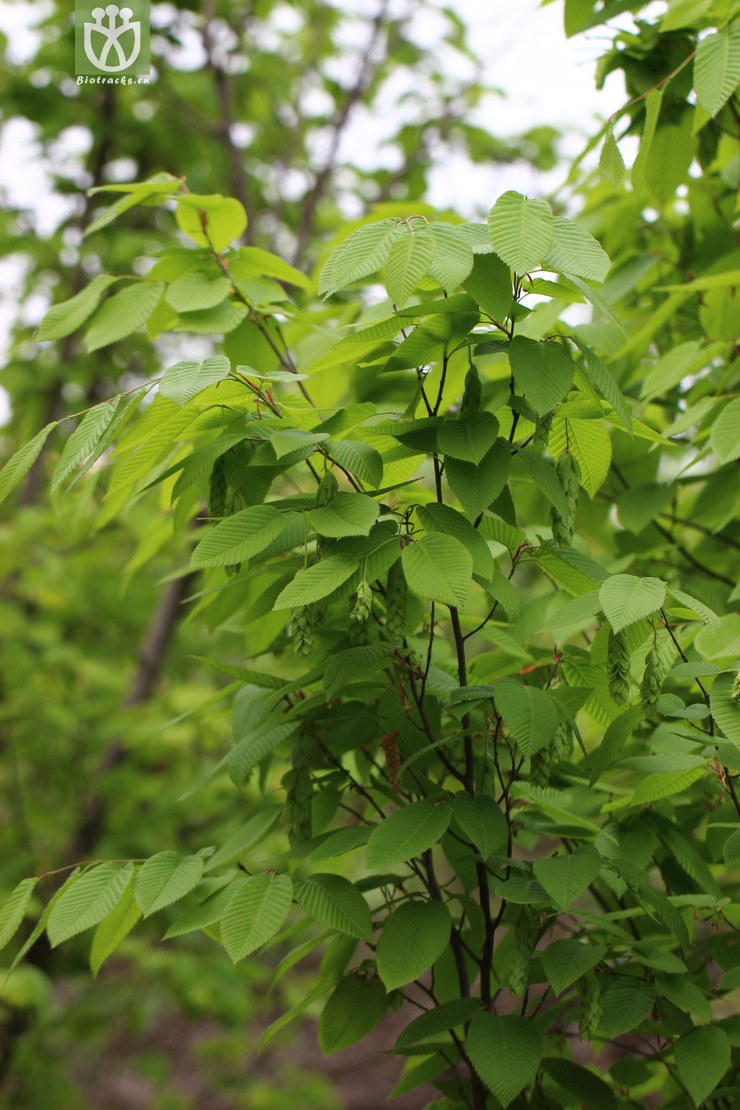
column 269, row 102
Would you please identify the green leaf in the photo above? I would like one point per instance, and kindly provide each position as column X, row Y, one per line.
column 317, row 581
column 531, row 715
column 114, row 929
column 255, row 913
column 702, row 1058
column 653, row 103
column 447, row 1015
column 626, row 599
column 521, row 230
column 19, row 464
column 211, row 221
column 88, row 901
column 413, row 938
column 239, row 537
column 359, row 458
column 489, row 282
column 84, row 439
column 407, row 833
column 543, row 474
column 725, row 708
column 707, row 615
column 438, row 568
column 717, row 67
column 362, row 253
column 409, row 259
column 203, row 915
column 294, row 439
column 123, row 313
column 565, row 961
column 197, row 291
column 724, row 436
column 253, row 261
column 469, row 438
column 453, row 256
column 626, row 1005
column 684, row 13
column 67, row 316
column 606, row 385
column 358, row 664
column 477, row 487
column 591, row 447
column 166, row 878
column 575, row 251
column 356, row 1006
column 334, row 900
column 443, row 518
column 14, row 910
column 186, row 380
column 566, row 876
column 505, row 1051
column 347, row 514
column 255, row 746
column 731, row 849
column 611, row 162
column 542, row 370
column 482, row 822
column 582, row 1082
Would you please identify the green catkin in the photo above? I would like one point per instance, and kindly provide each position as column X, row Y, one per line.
column 651, row 682
column 395, row 603
column 525, row 938
column 363, row 603
column 569, row 476
column 735, row 688
column 471, row 398
column 217, row 489
column 539, row 766
column 326, row 489
column 561, row 744
column 591, row 1008
column 542, row 430
column 298, row 786
column 618, row 667
column 302, row 630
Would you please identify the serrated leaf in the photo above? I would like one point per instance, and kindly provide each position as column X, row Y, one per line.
column 14, row 910
column 477, row 487
column 88, row 901
column 717, row 67
column 725, row 708
column 702, row 1058
column 362, row 253
column 435, row 517
column 591, row 447
column 359, row 458
column 597, row 301
column 254, row 747
column 566, row 876
column 543, row 371
column 67, row 316
column 626, row 1004
column 19, row 463
column 611, row 162
column 186, row 380
column 123, row 313
column 336, row 902
column 505, row 1051
column 356, row 1006
column 606, row 385
column 468, row 438
column 542, row 473
column 489, row 283
column 453, row 256
column 203, row 915
column 166, row 878
column 565, row 961
column 255, row 913
column 707, row 615
column 413, row 938
column 530, row 714
column 317, row 581
column 358, row 664
column 439, row 568
column 84, row 440
column 482, row 822
column 114, row 929
column 521, row 230
column 447, row 1015
column 197, row 291
column 347, row 514
column 239, row 537
column 625, row 599
column 409, row 259
column 575, row 251
column 407, row 833
column 725, row 436
column 295, row 439
column 211, row 221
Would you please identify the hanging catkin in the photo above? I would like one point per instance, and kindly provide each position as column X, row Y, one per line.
column 618, row 667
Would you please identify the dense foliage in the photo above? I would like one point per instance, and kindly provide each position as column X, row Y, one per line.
column 466, row 543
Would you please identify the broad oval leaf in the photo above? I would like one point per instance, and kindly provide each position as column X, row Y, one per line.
column 530, row 714
column 447, row 1015
column 521, row 230
column 114, row 929
column 543, row 371
column 409, row 259
column 468, row 438
column 255, row 913
column 438, row 568
column 19, row 463
column 239, row 537
column 88, row 901
column 575, row 251
column 476, row 487
column 565, row 961
column 702, row 1058
column 407, row 832
column 317, row 581
column 626, row 599
column 356, row 1006
column 362, row 253
column 717, row 67
column 166, row 878
column 505, row 1051
column 413, row 938
column 347, row 514
column 566, row 876
column 123, row 313
column 14, row 910
column 211, row 221
column 337, row 902
column 482, row 822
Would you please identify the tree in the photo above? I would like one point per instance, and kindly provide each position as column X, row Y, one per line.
column 473, row 562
